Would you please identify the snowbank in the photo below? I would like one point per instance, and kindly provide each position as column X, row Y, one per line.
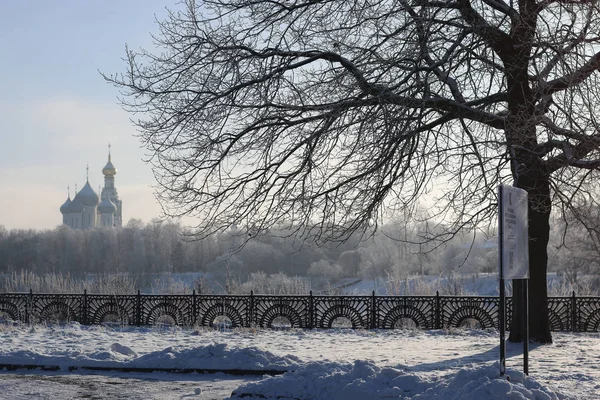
column 364, row 380
column 217, row 357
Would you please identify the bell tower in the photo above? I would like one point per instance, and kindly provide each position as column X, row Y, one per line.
column 110, row 191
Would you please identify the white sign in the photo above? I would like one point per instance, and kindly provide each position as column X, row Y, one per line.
column 514, row 237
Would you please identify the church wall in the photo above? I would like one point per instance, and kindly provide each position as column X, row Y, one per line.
column 119, row 214
column 89, row 217
column 106, row 220
column 75, row 221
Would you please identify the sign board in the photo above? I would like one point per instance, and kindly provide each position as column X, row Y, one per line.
column 513, row 256
column 513, row 229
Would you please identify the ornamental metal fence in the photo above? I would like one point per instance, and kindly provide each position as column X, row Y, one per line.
column 572, row 313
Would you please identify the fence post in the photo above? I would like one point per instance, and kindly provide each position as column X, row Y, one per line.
column 84, row 312
column 438, row 324
column 573, row 313
column 251, row 316
column 138, row 308
column 28, row 306
column 194, row 308
column 373, row 311
column 311, row 317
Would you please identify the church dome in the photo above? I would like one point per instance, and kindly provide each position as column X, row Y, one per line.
column 109, row 169
column 76, row 206
column 64, row 209
column 87, row 196
column 107, row 207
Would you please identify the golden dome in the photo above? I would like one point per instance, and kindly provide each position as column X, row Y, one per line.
column 109, row 169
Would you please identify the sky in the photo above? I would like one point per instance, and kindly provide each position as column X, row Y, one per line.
column 57, row 114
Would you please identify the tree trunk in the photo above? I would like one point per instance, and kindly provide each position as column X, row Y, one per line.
column 529, row 173
column 539, row 234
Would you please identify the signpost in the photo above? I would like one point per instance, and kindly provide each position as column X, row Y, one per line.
column 513, row 260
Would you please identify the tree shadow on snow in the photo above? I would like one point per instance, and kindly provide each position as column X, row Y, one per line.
column 514, row 353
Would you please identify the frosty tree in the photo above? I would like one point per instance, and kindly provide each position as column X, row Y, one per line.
column 323, row 115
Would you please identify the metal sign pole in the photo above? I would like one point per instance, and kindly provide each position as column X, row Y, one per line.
column 526, row 326
column 502, row 322
column 501, row 306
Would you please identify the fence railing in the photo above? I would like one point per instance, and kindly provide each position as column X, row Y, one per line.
column 577, row 314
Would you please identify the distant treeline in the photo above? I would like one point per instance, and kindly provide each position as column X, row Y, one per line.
column 159, row 247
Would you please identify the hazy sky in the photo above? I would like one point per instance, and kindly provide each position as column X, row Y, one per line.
column 57, row 113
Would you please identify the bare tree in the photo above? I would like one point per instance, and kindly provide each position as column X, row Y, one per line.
column 578, row 247
column 324, row 115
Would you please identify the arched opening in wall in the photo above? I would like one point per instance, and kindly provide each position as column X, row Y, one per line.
column 281, row 322
column 165, row 321
column 113, row 319
column 56, row 313
column 470, row 323
column 5, row 318
column 222, row 322
column 405, row 323
column 341, row 323
column 592, row 322
column 56, row 317
column 8, row 313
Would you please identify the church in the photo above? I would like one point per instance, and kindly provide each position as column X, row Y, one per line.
column 88, row 210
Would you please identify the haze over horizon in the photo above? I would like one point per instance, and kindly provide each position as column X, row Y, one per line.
column 59, row 114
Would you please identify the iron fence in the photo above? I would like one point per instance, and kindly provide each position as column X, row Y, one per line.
column 577, row 314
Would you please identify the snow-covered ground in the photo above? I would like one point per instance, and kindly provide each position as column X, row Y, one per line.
column 324, row 364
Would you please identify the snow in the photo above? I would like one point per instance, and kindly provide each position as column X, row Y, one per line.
column 320, row 364
column 364, row 380
column 76, row 347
